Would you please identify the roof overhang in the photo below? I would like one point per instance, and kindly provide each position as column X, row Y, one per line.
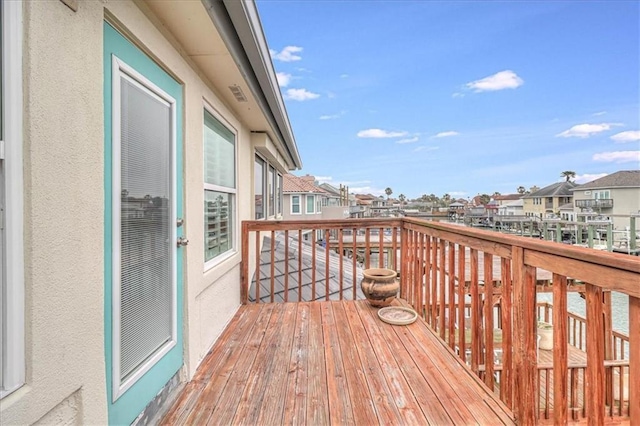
column 225, row 41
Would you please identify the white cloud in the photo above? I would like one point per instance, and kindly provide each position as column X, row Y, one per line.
column 458, row 95
column 426, row 148
column 283, row 79
column 288, row 54
column 379, row 133
column 499, row 81
column 597, row 114
column 344, row 75
column 446, row 134
column 457, row 194
column 408, row 140
column 585, row 130
column 366, row 190
column 324, row 179
column 628, row 136
column 587, row 177
column 329, row 117
column 618, row 156
column 300, row 95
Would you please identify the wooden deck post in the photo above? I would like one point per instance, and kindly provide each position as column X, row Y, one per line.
column 244, row 278
column 524, row 342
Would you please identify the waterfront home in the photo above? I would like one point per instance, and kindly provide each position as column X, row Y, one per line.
column 616, row 196
column 129, row 130
column 546, row 202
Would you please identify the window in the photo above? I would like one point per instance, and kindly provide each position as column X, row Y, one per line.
column 12, row 362
column 258, row 187
column 318, row 204
column 601, row 195
column 311, row 204
column 219, row 188
column 295, row 204
column 272, row 191
column 279, row 194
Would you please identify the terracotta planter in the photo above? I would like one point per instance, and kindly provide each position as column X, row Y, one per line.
column 545, row 331
column 380, row 286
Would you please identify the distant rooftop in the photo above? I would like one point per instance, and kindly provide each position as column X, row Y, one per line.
column 507, row 197
column 295, row 184
column 558, row 189
column 621, row 179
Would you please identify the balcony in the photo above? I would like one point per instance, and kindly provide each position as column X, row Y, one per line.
column 602, row 203
column 323, row 357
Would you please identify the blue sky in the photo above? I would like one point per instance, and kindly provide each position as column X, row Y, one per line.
column 458, row 97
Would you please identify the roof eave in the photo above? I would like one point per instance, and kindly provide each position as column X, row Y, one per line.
column 239, row 26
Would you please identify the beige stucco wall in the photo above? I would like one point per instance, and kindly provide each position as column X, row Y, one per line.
column 64, row 209
column 63, row 217
column 625, row 202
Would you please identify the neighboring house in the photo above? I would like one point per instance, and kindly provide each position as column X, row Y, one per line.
column 129, row 129
column 335, row 196
column 567, row 212
column 302, row 198
column 546, row 202
column 513, row 208
column 616, row 196
column 501, row 200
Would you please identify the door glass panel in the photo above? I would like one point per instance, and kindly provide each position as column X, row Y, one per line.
column 145, row 231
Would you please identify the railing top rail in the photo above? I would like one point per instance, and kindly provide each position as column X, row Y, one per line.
column 612, row 260
column 283, row 225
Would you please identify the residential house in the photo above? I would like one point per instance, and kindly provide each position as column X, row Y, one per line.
column 512, row 208
column 616, row 195
column 130, row 137
column 546, row 202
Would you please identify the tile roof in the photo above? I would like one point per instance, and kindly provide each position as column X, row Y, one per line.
column 296, row 184
column 621, row 179
column 507, row 197
column 558, row 189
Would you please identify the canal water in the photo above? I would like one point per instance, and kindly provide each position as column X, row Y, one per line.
column 619, row 308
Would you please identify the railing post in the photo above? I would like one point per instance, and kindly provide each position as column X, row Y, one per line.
column 404, row 268
column 634, row 360
column 244, row 279
column 524, row 342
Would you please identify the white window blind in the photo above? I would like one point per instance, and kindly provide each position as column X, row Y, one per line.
column 146, row 276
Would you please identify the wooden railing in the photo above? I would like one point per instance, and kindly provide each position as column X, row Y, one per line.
column 444, row 267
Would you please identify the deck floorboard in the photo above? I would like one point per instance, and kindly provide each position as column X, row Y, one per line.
column 331, row 363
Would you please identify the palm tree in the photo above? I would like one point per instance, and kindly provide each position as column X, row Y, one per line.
column 401, row 197
column 388, row 191
column 568, row 175
column 521, row 190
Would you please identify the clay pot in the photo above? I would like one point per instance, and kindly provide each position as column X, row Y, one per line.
column 380, row 286
column 545, row 331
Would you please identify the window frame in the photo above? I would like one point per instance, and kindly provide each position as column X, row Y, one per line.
column 208, row 264
column 271, row 185
column 12, row 340
column 299, row 198
column 279, row 193
column 259, row 159
column 306, row 204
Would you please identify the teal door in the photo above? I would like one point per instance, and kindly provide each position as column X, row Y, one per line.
column 143, row 205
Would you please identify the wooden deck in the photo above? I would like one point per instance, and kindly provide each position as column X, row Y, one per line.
column 331, row 363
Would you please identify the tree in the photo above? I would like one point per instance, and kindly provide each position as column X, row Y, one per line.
column 484, row 199
column 388, row 191
column 496, row 194
column 402, row 198
column 568, row 175
column 521, row 190
column 446, row 199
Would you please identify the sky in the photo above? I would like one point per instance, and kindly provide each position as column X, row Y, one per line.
column 458, row 97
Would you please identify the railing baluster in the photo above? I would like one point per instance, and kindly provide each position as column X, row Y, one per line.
column 594, row 392
column 488, row 317
column 560, row 356
column 258, row 267
column 421, row 275
column 341, row 259
column 476, row 327
column 452, row 293
column 299, row 265
column 441, row 284
column 354, row 259
column 286, row 266
column 506, row 387
column 327, row 263
column 272, row 268
column 381, row 248
column 416, row 271
column 461, row 296
column 367, row 252
column 434, row 281
column 313, row 265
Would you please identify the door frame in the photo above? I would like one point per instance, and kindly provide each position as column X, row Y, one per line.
column 128, row 399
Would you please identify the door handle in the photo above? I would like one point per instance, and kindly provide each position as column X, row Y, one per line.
column 182, row 241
